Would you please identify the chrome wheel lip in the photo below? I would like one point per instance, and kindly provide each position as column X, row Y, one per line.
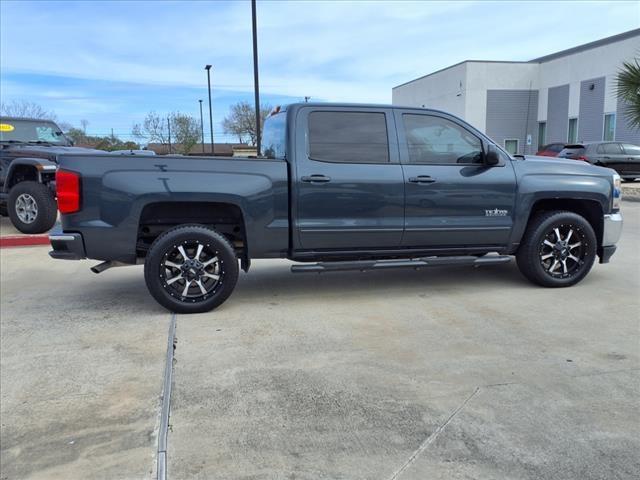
column 26, row 208
column 563, row 250
column 191, row 271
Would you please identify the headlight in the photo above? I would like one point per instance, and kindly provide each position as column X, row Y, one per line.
column 617, row 191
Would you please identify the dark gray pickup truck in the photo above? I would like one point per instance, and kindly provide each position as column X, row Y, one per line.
column 337, row 187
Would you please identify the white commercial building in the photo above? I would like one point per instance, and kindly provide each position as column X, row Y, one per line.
column 565, row 97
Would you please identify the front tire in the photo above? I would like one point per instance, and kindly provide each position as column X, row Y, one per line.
column 32, row 207
column 558, row 249
column 191, row 269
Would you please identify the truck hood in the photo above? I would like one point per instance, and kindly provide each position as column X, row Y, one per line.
column 560, row 166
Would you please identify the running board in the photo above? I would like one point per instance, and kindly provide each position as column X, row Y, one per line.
column 416, row 263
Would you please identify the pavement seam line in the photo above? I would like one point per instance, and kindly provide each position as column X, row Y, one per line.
column 166, row 402
column 432, row 437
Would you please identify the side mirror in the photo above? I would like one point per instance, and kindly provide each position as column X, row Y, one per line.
column 491, row 157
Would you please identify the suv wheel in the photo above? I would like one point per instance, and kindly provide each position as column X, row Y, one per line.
column 191, row 269
column 558, row 249
column 32, row 207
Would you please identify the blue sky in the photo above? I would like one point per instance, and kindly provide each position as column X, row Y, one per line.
column 111, row 62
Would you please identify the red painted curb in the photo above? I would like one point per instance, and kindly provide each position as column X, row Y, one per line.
column 23, row 241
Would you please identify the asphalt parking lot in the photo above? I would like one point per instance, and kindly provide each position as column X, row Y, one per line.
column 444, row 373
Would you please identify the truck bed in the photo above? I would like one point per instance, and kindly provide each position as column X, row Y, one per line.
column 115, row 190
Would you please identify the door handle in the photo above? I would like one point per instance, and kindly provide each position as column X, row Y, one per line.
column 422, row 179
column 316, row 179
column 607, row 158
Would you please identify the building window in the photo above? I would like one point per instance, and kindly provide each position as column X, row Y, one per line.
column 542, row 133
column 511, row 146
column 573, row 130
column 609, row 127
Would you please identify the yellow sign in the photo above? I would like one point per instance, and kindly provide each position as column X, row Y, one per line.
column 5, row 127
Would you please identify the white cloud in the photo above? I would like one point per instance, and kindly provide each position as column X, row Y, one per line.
column 332, row 50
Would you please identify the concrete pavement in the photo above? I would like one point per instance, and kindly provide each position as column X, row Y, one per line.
column 82, row 359
column 442, row 373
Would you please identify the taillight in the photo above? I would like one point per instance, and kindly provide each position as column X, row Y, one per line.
column 68, row 191
column 583, row 158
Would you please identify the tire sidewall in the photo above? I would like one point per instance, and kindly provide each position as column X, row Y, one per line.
column 47, row 210
column 171, row 239
column 557, row 220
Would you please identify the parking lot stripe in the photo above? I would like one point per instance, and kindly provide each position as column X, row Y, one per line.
column 432, row 437
column 166, row 401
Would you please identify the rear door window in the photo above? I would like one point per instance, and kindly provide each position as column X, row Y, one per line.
column 348, row 137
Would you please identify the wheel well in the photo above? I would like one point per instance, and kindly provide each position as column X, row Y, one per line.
column 589, row 209
column 225, row 218
column 22, row 173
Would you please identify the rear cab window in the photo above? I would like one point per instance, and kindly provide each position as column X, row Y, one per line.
column 348, row 137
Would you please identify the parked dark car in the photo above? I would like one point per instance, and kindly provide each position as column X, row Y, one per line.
column 28, row 160
column 348, row 187
column 550, row 150
column 624, row 158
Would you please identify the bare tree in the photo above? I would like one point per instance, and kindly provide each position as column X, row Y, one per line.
column 85, row 124
column 23, row 108
column 153, row 129
column 241, row 121
column 185, row 130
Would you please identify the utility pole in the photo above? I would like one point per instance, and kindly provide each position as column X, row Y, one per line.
column 208, row 69
column 169, row 128
column 201, row 125
column 306, row 99
column 256, row 86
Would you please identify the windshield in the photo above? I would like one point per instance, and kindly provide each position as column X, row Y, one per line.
column 31, row 131
column 274, row 136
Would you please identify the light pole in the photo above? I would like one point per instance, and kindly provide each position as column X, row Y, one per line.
column 255, row 73
column 201, row 125
column 208, row 69
column 169, row 130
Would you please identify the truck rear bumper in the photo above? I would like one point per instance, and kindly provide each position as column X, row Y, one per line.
column 610, row 236
column 66, row 246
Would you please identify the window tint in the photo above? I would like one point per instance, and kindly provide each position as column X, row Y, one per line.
column 437, row 140
column 349, row 137
column 631, row 149
column 273, row 136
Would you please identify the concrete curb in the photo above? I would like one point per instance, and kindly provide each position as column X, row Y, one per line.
column 23, row 240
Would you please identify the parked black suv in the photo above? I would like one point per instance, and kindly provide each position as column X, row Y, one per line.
column 28, row 160
column 624, row 158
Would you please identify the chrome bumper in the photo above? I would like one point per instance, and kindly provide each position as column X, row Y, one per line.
column 612, row 229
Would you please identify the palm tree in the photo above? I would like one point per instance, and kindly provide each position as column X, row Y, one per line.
column 628, row 90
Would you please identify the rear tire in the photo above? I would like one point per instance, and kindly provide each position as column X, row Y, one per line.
column 32, row 207
column 558, row 249
column 191, row 269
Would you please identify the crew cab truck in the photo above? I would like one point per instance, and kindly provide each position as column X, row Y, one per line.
column 337, row 187
column 28, row 155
